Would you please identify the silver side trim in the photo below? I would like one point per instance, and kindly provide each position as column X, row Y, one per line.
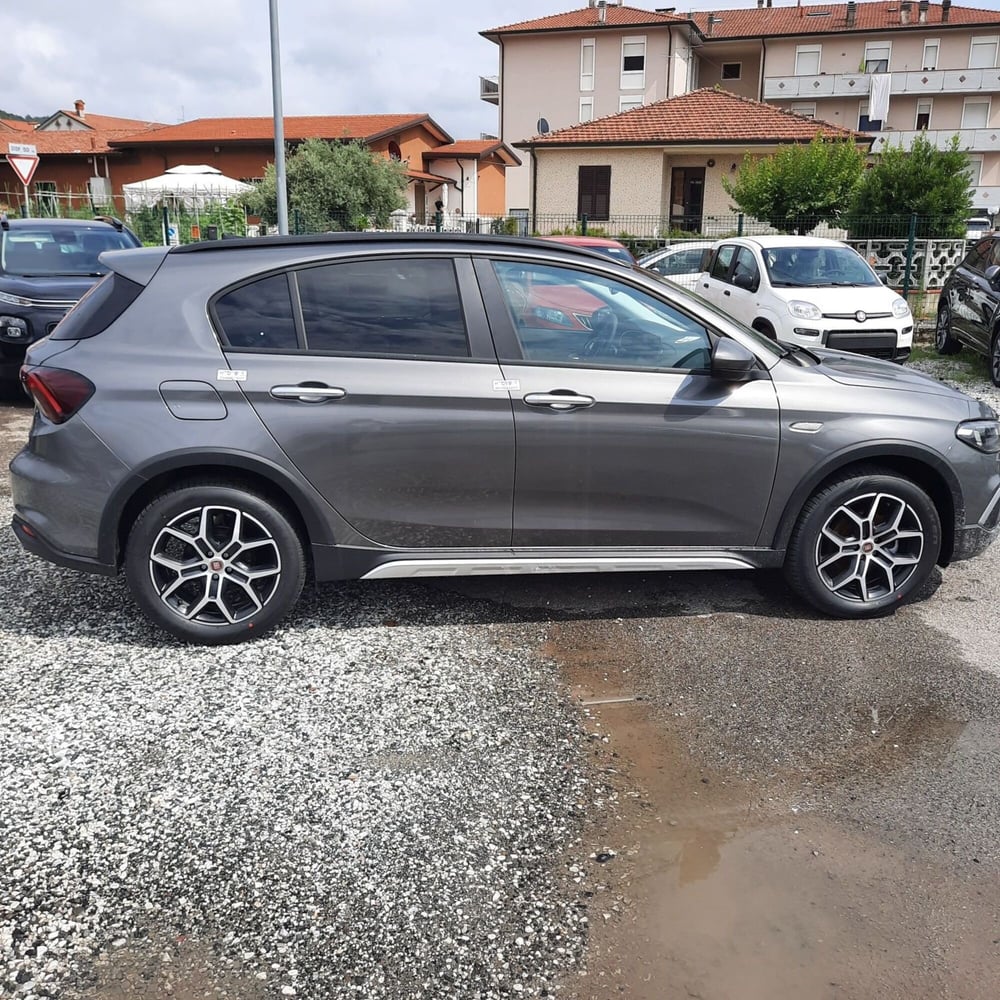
column 513, row 566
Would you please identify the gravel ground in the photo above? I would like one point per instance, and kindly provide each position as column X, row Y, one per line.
column 367, row 803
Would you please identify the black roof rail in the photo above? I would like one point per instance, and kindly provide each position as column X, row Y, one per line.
column 111, row 220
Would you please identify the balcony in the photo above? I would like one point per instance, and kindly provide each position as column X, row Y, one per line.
column 986, row 197
column 914, row 84
column 975, row 140
column 489, row 89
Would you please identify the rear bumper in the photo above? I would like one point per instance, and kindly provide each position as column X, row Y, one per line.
column 34, row 543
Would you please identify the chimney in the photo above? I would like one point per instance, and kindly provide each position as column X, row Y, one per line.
column 602, row 11
column 711, row 24
column 852, row 13
column 924, row 4
column 760, row 4
column 945, row 10
column 80, row 109
column 904, row 12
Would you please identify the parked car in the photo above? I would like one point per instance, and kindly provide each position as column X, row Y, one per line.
column 680, row 262
column 46, row 266
column 598, row 244
column 969, row 305
column 809, row 291
column 977, row 228
column 219, row 420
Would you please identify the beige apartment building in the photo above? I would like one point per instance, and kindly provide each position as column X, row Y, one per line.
column 890, row 68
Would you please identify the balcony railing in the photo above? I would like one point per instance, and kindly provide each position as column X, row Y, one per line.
column 976, row 140
column 489, row 89
column 984, row 196
column 926, row 82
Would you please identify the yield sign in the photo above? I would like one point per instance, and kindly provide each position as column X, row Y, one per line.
column 23, row 165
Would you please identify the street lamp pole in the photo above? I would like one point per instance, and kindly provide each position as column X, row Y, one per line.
column 279, row 124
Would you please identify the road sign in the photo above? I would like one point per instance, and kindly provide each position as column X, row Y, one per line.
column 23, row 165
column 21, row 149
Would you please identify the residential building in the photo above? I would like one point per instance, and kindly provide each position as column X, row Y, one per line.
column 663, row 162
column 890, row 68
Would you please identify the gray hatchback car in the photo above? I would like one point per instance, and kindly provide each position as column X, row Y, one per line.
column 221, row 420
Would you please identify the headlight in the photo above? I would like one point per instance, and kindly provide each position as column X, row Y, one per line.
column 983, row 435
column 804, row 310
column 14, row 300
column 900, row 308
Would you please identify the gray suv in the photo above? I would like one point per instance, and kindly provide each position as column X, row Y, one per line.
column 221, row 420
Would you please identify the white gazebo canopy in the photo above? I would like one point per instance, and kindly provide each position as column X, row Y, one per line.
column 193, row 185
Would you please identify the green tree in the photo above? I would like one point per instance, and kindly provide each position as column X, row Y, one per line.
column 925, row 181
column 333, row 185
column 799, row 186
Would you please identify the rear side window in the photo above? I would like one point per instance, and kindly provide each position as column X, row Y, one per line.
column 98, row 309
column 407, row 307
column 722, row 262
column 258, row 315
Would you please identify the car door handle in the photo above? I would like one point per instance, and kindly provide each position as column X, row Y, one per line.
column 726, row 292
column 559, row 400
column 308, row 393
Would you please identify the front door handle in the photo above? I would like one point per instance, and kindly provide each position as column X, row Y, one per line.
column 559, row 399
column 308, row 392
column 726, row 292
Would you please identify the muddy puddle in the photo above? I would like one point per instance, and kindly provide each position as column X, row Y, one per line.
column 725, row 887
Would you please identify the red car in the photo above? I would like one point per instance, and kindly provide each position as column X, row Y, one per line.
column 598, row 244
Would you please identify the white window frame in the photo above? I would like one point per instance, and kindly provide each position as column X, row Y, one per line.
column 993, row 40
column 633, row 79
column 808, row 50
column 878, row 47
column 926, row 64
column 586, row 109
column 976, row 100
column 627, row 102
column 739, row 71
column 804, row 109
column 929, row 103
column 975, row 170
column 587, row 79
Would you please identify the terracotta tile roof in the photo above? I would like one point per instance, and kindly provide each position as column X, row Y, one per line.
column 422, row 175
column 703, row 116
column 15, row 125
column 473, row 149
column 589, row 17
column 104, row 123
column 880, row 15
column 75, row 141
column 366, row 127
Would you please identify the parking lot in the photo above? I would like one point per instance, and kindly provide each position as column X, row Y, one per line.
column 649, row 786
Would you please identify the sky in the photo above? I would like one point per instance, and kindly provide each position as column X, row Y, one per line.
column 176, row 60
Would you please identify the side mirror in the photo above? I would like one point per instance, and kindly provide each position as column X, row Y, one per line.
column 732, row 361
column 993, row 274
column 746, row 281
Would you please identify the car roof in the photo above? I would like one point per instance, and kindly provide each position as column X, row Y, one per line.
column 785, row 241
column 18, row 222
column 585, row 241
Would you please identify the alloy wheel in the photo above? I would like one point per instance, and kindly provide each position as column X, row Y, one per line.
column 214, row 565
column 869, row 547
column 942, row 332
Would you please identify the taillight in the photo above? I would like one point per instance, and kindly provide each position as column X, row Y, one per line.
column 56, row 392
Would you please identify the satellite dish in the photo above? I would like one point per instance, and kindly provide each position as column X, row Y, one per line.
column 542, row 125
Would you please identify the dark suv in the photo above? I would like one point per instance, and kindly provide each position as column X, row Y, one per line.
column 222, row 419
column 46, row 266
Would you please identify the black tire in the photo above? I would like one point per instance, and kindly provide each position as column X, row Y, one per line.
column 944, row 342
column 243, row 566
column 995, row 359
column 765, row 329
column 863, row 544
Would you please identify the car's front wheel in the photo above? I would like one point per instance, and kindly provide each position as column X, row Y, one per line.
column 863, row 544
column 995, row 359
column 214, row 562
column 944, row 342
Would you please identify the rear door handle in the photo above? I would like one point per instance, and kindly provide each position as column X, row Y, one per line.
column 308, row 393
column 559, row 400
column 726, row 292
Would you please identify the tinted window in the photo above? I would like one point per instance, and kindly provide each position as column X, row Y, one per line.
column 409, row 307
column 746, row 266
column 568, row 317
column 258, row 315
column 980, row 256
column 45, row 251
column 98, row 309
column 720, row 266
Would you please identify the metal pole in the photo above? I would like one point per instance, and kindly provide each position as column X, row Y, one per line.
column 909, row 254
column 279, row 124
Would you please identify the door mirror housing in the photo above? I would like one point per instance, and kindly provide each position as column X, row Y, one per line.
column 992, row 274
column 746, row 281
column 732, row 361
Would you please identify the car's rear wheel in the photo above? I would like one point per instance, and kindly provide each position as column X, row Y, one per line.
column 944, row 342
column 214, row 562
column 863, row 544
column 995, row 359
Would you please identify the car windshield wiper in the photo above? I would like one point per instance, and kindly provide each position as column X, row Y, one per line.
column 798, row 349
column 791, row 284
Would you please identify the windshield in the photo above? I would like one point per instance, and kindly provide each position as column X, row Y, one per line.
column 615, row 253
column 817, row 267
column 49, row 251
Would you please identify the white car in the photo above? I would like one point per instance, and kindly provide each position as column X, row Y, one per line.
column 680, row 262
column 977, row 228
column 808, row 291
